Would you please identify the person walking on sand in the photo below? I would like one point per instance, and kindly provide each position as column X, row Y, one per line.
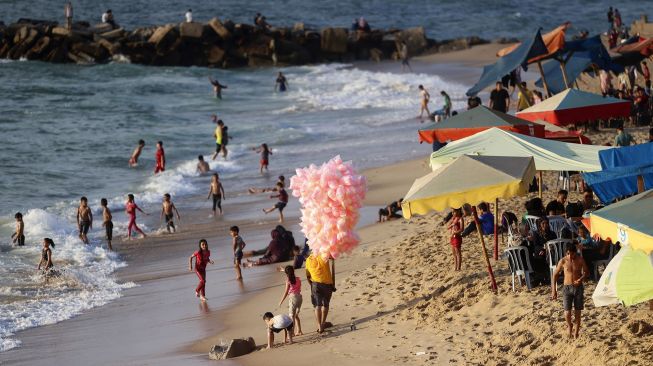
column 219, row 138
column 18, row 237
column 456, row 226
column 84, row 219
column 130, row 210
column 133, row 161
column 217, row 88
column 293, row 292
column 68, row 13
column 282, row 195
column 202, row 258
column 424, row 102
column 167, row 209
column 238, row 246
column 107, row 222
column 575, row 272
column 265, row 152
column 321, row 279
column 216, row 191
column 499, row 98
column 160, row 158
column 282, row 84
column 402, row 50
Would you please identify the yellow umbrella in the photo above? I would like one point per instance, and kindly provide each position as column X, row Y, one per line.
column 470, row 179
column 628, row 222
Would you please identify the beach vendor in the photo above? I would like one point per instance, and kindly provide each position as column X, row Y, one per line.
column 319, row 276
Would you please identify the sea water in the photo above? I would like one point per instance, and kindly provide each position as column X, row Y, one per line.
column 69, row 130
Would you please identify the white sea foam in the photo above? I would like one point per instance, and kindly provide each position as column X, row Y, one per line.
column 86, row 279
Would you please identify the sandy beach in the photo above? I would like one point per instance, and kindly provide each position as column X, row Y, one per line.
column 397, row 288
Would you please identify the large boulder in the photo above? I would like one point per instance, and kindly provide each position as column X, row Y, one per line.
column 236, row 348
column 94, row 50
column 415, row 39
column 164, row 37
column 334, row 40
column 220, row 29
column 19, row 49
column 112, row 48
column 39, row 49
column 216, row 56
column 113, row 34
column 61, row 31
column 192, row 30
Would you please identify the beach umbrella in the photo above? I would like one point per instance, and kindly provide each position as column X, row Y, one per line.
column 628, row 221
column 627, row 279
column 476, row 120
column 574, row 106
column 470, row 179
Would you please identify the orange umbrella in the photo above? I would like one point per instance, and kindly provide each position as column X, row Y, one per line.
column 554, row 41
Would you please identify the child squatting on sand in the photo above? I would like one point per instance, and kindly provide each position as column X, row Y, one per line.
column 277, row 323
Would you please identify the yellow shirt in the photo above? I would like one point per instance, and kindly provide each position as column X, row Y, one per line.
column 218, row 135
column 523, row 101
column 318, row 269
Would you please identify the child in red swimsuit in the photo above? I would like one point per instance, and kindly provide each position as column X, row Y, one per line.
column 130, row 210
column 160, row 158
column 202, row 258
column 456, row 226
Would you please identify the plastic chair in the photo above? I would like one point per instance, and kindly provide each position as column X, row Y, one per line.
column 532, row 221
column 520, row 265
column 557, row 224
column 555, row 250
column 603, row 262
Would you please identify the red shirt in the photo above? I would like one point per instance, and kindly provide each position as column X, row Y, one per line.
column 201, row 259
column 131, row 207
column 159, row 156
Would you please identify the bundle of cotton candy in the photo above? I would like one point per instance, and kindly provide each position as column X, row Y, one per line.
column 330, row 196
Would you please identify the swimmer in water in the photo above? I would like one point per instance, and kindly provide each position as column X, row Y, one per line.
column 84, row 219
column 217, row 87
column 133, row 161
column 18, row 237
column 281, row 84
column 107, row 221
column 46, row 255
column 202, row 166
column 130, row 210
column 265, row 152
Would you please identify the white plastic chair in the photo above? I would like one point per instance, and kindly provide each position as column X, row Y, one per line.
column 555, row 250
column 603, row 262
column 520, row 265
column 532, row 221
column 557, row 225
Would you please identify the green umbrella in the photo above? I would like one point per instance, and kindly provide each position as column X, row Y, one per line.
column 627, row 279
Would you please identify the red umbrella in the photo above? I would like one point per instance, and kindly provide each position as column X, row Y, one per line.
column 574, row 106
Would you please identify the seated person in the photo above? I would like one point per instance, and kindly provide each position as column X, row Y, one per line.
column 390, row 212
column 589, row 203
column 593, row 249
column 273, row 254
column 557, row 207
column 486, row 218
column 535, row 207
column 537, row 247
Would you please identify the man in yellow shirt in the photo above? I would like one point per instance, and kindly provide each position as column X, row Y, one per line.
column 320, row 277
column 218, row 136
column 525, row 97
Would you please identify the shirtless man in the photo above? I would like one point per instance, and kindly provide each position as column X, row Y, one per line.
column 107, row 222
column 216, row 191
column 18, row 237
column 575, row 272
column 424, row 97
column 217, row 87
column 202, row 166
column 167, row 209
column 84, row 219
column 133, row 161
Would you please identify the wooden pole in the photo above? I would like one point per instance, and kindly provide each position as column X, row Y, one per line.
column 485, row 256
column 496, row 229
column 564, row 74
column 640, row 184
column 546, row 86
column 540, row 183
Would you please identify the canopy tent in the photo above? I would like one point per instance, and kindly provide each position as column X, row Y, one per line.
column 573, row 106
column 554, row 42
column 457, row 183
column 627, row 279
column 469, row 179
column 629, row 222
column 532, row 47
column 642, row 45
column 621, row 169
column 593, row 49
column 553, row 73
column 558, row 133
column 476, row 120
column 548, row 155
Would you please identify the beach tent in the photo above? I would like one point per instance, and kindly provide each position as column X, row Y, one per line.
column 532, row 47
column 471, row 179
column 558, row 133
column 641, row 45
column 573, row 106
column 628, row 221
column 622, row 168
column 548, row 155
column 554, row 42
column 627, row 279
column 476, row 120
column 553, row 73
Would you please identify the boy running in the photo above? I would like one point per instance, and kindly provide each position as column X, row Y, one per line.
column 160, row 158
column 238, row 246
column 107, row 222
column 18, row 237
column 167, row 211
column 133, row 161
column 84, row 219
column 283, row 201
